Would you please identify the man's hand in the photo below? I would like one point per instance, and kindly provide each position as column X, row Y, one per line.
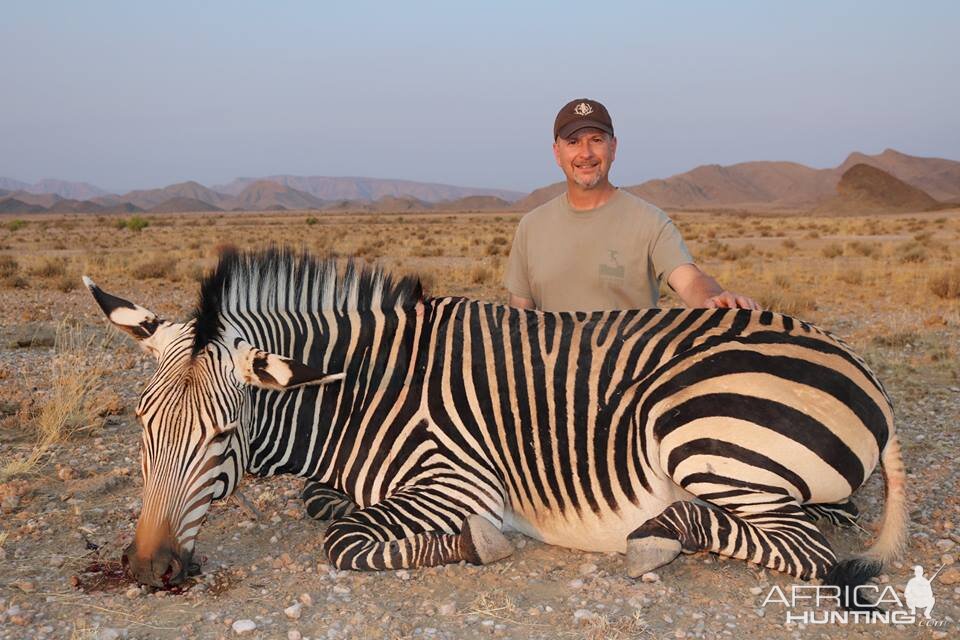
column 729, row 300
column 699, row 290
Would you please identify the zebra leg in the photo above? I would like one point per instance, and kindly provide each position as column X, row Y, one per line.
column 841, row 514
column 413, row 528
column 777, row 536
column 325, row 503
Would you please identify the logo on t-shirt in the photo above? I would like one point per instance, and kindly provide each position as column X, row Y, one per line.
column 614, row 271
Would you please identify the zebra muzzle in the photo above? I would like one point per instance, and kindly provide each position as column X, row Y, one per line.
column 164, row 568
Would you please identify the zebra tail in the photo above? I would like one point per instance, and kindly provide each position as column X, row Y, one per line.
column 889, row 544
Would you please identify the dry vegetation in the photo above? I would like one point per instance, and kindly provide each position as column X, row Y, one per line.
column 888, row 284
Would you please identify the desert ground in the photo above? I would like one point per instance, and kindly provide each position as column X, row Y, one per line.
column 70, row 479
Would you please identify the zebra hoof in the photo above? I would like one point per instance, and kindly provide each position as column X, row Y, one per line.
column 649, row 553
column 482, row 542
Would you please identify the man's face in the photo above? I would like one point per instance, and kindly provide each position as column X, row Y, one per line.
column 585, row 156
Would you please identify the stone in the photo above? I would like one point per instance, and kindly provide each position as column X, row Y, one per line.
column 945, row 544
column 583, row 615
column 403, row 574
column 293, row 634
column 950, row 576
column 587, row 568
column 305, row 599
column 241, row 627
column 650, row 577
column 447, row 609
column 293, row 611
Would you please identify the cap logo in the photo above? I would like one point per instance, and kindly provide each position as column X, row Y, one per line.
column 583, row 109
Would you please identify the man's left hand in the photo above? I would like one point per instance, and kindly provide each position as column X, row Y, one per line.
column 730, row 300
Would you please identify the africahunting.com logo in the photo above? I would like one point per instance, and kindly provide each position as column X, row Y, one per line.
column 872, row 603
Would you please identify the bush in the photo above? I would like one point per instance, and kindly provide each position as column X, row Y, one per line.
column 312, row 220
column 134, row 223
column 832, row 250
column 157, row 269
column 16, row 225
column 51, row 268
column 8, row 266
column 947, row 284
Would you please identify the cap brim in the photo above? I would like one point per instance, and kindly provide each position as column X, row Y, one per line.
column 573, row 127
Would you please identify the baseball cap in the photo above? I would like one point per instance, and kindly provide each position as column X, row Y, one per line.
column 580, row 114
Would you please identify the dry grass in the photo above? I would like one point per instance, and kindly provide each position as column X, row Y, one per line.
column 946, row 285
column 72, row 403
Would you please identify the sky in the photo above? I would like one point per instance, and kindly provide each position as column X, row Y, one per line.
column 131, row 95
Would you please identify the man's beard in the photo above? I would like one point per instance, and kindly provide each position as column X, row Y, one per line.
column 588, row 183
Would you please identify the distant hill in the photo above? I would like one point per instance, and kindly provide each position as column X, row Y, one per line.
column 540, row 196
column 368, row 189
column 865, row 188
column 62, row 188
column 785, row 184
column 392, row 203
column 475, row 203
column 939, row 177
column 179, row 204
column 12, row 205
column 150, row 198
column 265, row 194
column 45, row 200
column 69, row 205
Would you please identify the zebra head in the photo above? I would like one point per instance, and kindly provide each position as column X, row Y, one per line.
column 193, row 449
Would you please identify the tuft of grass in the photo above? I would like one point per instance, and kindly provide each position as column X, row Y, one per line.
column 8, row 266
column 789, row 303
column 946, row 285
column 832, row 250
column 72, row 405
column 50, row 268
column 912, row 252
column 16, row 225
column 156, row 269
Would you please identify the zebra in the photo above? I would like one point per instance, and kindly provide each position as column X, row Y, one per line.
column 426, row 426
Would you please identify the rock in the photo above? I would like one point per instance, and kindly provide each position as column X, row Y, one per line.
column 293, row 611
column 241, row 627
column 756, row 590
column 9, row 504
column 447, row 609
column 650, row 577
column 587, row 568
column 305, row 599
column 26, row 586
column 575, row 584
column 110, row 633
column 403, row 574
column 583, row 615
column 293, row 634
column 950, row 576
column 66, row 473
column 945, row 544
column 133, row 592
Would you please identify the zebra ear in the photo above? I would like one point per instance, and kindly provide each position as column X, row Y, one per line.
column 140, row 323
column 269, row 371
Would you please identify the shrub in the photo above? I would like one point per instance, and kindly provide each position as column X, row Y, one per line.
column 134, row 223
column 789, row 243
column 16, row 225
column 8, row 266
column 50, row 268
column 832, row 250
column 912, row 252
column 312, row 220
column 946, row 285
column 157, row 269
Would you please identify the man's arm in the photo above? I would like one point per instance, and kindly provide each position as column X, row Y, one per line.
column 521, row 303
column 697, row 289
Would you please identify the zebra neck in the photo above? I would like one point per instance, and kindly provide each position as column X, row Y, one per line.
column 311, row 431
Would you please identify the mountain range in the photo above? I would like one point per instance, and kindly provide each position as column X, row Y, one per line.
column 761, row 184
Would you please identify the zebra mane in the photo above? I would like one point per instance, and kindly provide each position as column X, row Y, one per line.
column 280, row 279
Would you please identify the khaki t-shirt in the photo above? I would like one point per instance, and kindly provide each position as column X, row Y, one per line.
column 611, row 257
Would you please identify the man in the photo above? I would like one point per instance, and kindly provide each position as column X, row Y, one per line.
column 597, row 247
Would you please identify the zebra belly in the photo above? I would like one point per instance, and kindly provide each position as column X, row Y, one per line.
column 606, row 531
